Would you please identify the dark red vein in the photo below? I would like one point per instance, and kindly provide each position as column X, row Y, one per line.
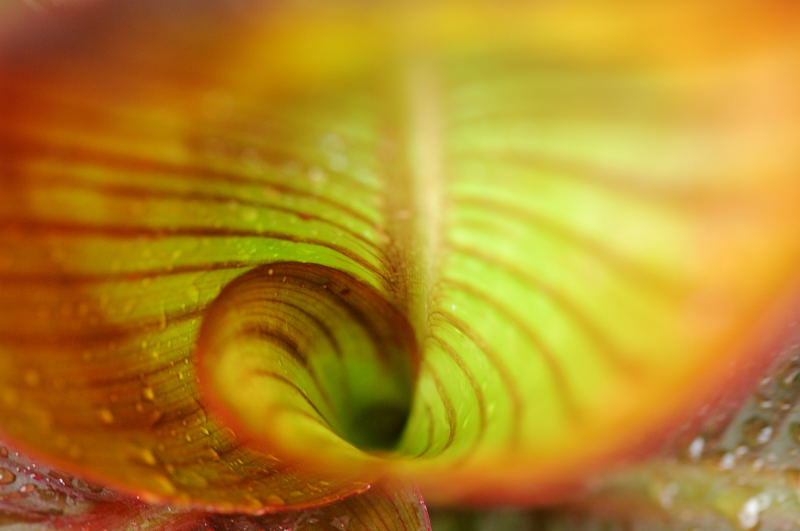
column 363, row 320
column 473, row 383
column 429, row 432
column 36, row 148
column 510, row 384
column 275, row 376
column 114, row 332
column 62, row 277
column 560, row 381
column 598, row 337
column 622, row 265
column 77, row 229
column 450, row 412
column 138, row 192
column 287, row 344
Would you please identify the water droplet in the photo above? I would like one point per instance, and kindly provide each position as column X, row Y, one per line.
column 740, row 451
column 757, row 432
column 105, row 415
column 7, row 476
column 164, row 484
column 790, row 377
column 146, row 456
column 272, row 499
column 255, row 502
column 317, row 175
column 750, row 513
column 764, row 435
column 695, row 449
column 727, row 461
column 190, row 478
column 341, row 522
column 667, row 495
column 27, row 488
column 148, row 394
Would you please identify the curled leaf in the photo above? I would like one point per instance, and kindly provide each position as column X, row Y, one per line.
column 543, row 234
column 35, row 497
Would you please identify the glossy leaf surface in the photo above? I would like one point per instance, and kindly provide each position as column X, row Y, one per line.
column 35, row 497
column 547, row 220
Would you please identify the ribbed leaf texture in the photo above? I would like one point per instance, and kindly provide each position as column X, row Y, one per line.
column 738, row 470
column 257, row 257
column 35, row 497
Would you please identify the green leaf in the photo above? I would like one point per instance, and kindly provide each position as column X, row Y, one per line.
column 508, row 247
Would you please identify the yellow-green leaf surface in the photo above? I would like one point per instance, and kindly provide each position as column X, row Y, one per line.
column 255, row 257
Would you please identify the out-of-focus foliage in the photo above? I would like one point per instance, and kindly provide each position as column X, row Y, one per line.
column 738, row 470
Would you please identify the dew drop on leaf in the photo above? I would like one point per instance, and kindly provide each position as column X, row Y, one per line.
column 727, row 461
column 6, row 476
column 750, row 514
column 341, row 522
column 272, row 499
column 146, row 456
column 757, row 432
column 695, row 450
column 105, row 415
column 317, row 175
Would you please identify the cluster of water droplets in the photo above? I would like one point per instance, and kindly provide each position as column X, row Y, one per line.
column 746, row 466
column 35, row 489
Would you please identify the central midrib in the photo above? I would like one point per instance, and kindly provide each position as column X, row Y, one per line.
column 413, row 164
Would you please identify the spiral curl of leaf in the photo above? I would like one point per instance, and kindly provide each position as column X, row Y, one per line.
column 257, row 260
